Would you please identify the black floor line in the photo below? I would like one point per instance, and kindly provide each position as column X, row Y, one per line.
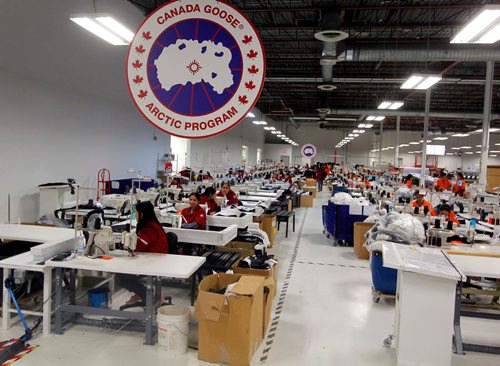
column 332, row 264
column 277, row 311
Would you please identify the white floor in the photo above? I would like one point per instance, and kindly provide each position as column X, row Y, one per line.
column 327, row 316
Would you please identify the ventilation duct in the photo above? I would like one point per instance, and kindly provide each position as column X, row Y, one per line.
column 329, row 35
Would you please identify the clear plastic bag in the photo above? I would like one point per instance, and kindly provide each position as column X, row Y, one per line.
column 342, row 198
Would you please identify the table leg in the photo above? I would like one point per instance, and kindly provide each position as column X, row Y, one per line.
column 457, row 337
column 288, row 219
column 293, row 223
column 149, row 311
column 47, row 305
column 6, row 301
column 157, row 289
column 72, row 287
column 279, row 224
column 193, row 287
column 59, row 313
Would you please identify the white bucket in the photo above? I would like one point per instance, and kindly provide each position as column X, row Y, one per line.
column 173, row 329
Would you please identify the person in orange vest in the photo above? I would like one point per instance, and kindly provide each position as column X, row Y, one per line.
column 420, row 202
column 443, row 183
column 446, row 211
column 460, row 186
column 367, row 183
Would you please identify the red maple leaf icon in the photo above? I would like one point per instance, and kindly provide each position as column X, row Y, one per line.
column 138, row 79
column 142, row 94
column 250, row 85
column 243, row 99
column 146, row 35
column 253, row 70
column 252, row 54
column 137, row 64
column 140, row 49
column 247, row 39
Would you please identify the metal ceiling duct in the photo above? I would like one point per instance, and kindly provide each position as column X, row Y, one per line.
column 389, row 113
column 419, row 51
column 329, row 35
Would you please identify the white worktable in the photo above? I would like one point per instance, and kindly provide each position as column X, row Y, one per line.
column 52, row 241
column 146, row 264
column 225, row 221
column 425, row 304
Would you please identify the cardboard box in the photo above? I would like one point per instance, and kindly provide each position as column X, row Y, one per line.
column 311, row 182
column 301, row 184
column 268, row 273
column 313, row 190
column 230, row 327
column 268, row 224
column 306, row 200
column 245, row 249
column 360, row 229
column 269, row 294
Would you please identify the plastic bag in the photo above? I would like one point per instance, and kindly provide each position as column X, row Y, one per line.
column 342, row 198
column 51, row 219
column 403, row 192
column 402, row 228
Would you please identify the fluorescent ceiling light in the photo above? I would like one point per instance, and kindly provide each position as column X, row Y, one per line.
column 404, row 145
column 272, row 129
column 414, row 143
column 281, row 136
column 440, row 138
column 465, row 147
column 449, row 153
column 251, row 115
column 379, row 118
column 267, row 128
column 469, row 153
column 421, row 82
column 478, row 145
column 274, row 132
column 371, row 118
column 356, row 135
column 493, row 156
column 277, row 132
column 361, row 125
column 116, row 27
column 478, row 152
column 256, row 122
column 390, row 105
column 104, row 27
column 455, row 148
column 355, row 131
column 494, row 151
column 368, row 125
column 491, row 130
column 481, row 29
column 361, row 131
column 351, row 135
column 263, row 123
column 461, row 135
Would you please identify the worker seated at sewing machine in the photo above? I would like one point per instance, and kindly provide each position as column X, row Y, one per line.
column 446, row 211
column 443, row 183
column 424, row 206
column 460, row 186
column 149, row 237
column 175, row 183
column 228, row 194
column 209, row 197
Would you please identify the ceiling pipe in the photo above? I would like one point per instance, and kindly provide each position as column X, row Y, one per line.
column 419, row 51
column 373, row 80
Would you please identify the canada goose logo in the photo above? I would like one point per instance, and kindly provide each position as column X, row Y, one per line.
column 309, row 151
column 195, row 68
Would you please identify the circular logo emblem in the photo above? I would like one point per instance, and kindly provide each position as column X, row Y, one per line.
column 195, row 68
column 309, row 151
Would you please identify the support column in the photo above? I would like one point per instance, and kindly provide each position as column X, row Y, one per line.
column 426, row 133
column 396, row 148
column 485, row 142
column 380, row 140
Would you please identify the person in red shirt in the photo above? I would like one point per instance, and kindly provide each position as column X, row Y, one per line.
column 151, row 238
column 421, row 202
column 460, row 186
column 209, row 198
column 175, row 183
column 446, row 211
column 409, row 181
column 320, row 176
column 195, row 213
column 443, row 183
column 229, row 194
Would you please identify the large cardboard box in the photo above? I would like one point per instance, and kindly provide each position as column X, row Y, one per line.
column 311, row 182
column 268, row 225
column 301, row 184
column 245, row 249
column 306, row 200
column 360, row 229
column 313, row 190
column 230, row 327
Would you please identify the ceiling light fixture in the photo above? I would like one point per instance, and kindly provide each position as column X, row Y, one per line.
column 414, row 143
column 104, row 27
column 420, row 82
column 440, row 138
column 461, row 135
column 390, row 105
column 483, row 28
column 251, row 115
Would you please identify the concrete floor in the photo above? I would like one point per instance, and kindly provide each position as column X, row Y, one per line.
column 327, row 316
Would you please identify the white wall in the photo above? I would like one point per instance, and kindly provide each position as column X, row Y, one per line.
column 274, row 152
column 48, row 135
column 218, row 153
column 182, row 150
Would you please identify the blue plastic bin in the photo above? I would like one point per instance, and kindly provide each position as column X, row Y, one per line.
column 384, row 279
column 340, row 224
column 99, row 297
